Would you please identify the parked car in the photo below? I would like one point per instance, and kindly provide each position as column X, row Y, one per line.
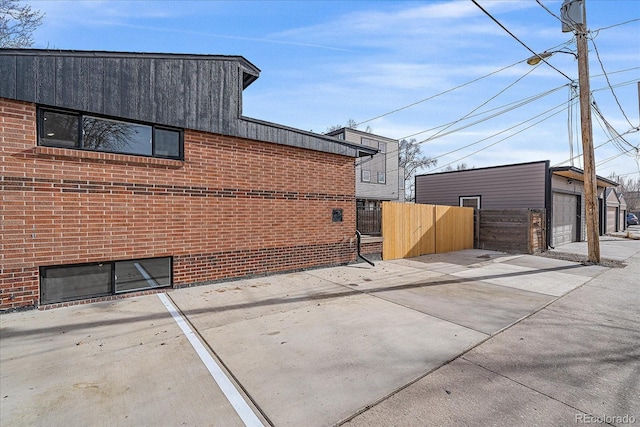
column 632, row 219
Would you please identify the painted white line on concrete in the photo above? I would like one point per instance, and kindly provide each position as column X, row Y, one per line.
column 237, row 401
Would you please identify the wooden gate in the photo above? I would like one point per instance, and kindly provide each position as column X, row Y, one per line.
column 411, row 230
column 512, row 230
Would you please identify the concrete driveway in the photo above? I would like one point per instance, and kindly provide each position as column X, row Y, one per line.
column 308, row 348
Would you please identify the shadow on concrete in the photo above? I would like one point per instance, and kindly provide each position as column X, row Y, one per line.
column 543, row 357
column 572, row 367
column 437, row 281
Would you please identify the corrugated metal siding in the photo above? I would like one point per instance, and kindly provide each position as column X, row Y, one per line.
column 504, row 187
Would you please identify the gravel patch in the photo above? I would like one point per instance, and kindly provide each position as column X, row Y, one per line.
column 582, row 259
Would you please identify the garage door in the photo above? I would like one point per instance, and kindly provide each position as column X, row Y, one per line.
column 612, row 214
column 565, row 218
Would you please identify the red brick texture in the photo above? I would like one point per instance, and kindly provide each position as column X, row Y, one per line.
column 232, row 208
column 371, row 248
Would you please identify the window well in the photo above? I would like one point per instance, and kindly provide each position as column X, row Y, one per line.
column 81, row 281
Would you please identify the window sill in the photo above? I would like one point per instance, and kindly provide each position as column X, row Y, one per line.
column 107, row 157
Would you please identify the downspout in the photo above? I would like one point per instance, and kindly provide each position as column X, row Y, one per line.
column 358, row 237
column 548, row 201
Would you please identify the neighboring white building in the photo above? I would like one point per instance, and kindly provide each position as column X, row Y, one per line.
column 378, row 178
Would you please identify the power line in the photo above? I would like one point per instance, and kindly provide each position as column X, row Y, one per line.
column 595, row 148
column 617, row 72
column 389, row 172
column 480, row 106
column 518, row 40
column 595, row 47
column 607, row 160
column 502, row 110
column 630, row 173
column 617, row 25
column 496, row 134
column 493, row 135
column 515, row 104
column 438, row 94
column 502, row 131
column 554, row 15
column 413, row 104
column 499, row 141
column 573, row 94
column 627, row 83
column 615, row 136
column 520, row 103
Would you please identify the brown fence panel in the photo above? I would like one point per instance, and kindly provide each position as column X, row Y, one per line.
column 512, row 230
column 454, row 228
column 411, row 230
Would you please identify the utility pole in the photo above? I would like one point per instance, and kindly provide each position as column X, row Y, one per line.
column 575, row 19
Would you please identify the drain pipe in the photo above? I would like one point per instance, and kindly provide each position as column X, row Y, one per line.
column 358, row 237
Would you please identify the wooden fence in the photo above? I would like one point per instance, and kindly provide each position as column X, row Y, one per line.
column 512, row 230
column 411, row 230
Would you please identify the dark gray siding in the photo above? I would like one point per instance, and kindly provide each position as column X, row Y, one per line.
column 503, row 187
column 264, row 131
column 188, row 93
column 199, row 92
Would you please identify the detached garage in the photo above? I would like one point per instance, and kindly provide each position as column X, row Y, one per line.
column 557, row 191
column 616, row 211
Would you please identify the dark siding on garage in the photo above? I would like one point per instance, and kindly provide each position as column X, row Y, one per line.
column 502, row 187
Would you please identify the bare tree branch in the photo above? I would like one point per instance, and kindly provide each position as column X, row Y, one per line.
column 17, row 24
column 630, row 190
column 351, row 124
column 412, row 160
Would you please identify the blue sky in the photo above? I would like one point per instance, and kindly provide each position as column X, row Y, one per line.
column 325, row 62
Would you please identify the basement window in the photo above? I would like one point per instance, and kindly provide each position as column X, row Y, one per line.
column 66, row 129
column 81, row 281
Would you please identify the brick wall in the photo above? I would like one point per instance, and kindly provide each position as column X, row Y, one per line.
column 233, row 208
column 371, row 248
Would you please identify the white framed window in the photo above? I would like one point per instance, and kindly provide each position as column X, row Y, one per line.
column 470, row 202
column 377, row 164
column 366, row 175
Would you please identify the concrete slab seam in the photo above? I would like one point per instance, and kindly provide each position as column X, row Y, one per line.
column 372, row 293
column 409, row 384
column 446, row 362
column 524, row 385
column 461, row 356
column 426, row 314
column 226, row 386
